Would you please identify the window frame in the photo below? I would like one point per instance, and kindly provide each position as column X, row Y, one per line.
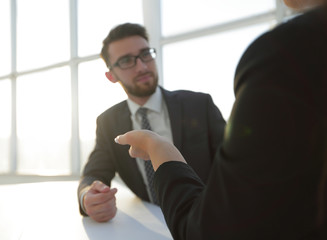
column 152, row 22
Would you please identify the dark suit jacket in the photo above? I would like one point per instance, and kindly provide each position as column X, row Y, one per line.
column 267, row 179
column 197, row 127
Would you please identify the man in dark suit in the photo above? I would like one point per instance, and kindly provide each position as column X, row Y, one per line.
column 189, row 120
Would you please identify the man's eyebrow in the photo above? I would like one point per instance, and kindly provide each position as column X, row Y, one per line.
column 130, row 55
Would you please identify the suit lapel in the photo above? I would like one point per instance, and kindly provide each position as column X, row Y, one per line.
column 123, row 121
column 123, row 124
column 175, row 115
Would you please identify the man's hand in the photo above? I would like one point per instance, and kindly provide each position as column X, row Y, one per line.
column 100, row 202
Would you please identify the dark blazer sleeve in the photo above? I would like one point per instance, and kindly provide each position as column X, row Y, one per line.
column 264, row 181
column 100, row 165
column 109, row 158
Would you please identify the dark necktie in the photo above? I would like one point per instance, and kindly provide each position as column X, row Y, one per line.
column 147, row 164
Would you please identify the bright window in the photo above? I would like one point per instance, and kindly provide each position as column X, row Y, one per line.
column 42, row 33
column 187, row 15
column 5, row 124
column 51, row 95
column 96, row 94
column 207, row 64
column 97, row 17
column 5, row 46
column 44, row 122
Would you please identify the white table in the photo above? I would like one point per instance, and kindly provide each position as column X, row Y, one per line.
column 49, row 210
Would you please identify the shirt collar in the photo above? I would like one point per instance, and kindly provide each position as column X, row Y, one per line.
column 154, row 103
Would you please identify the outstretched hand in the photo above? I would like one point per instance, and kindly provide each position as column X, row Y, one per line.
column 149, row 145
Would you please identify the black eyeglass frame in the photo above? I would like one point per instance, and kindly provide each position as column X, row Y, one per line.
column 151, row 51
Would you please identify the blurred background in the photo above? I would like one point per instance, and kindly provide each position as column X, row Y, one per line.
column 52, row 81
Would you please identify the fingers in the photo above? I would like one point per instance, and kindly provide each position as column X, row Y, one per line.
column 98, row 186
column 100, row 202
column 123, row 139
column 138, row 153
column 95, row 197
column 139, row 141
column 134, row 138
column 103, row 212
column 149, row 145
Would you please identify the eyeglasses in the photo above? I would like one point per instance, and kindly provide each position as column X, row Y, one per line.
column 130, row 61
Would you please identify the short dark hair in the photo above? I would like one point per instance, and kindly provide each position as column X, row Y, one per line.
column 120, row 32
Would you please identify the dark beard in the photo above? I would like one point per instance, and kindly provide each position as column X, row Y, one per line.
column 141, row 92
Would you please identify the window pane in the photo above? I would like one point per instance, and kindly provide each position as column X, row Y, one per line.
column 208, row 64
column 5, row 46
column 44, row 122
column 97, row 17
column 203, row 13
column 96, row 94
column 5, row 124
column 42, row 33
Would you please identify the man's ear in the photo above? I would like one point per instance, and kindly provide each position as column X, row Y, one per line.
column 111, row 77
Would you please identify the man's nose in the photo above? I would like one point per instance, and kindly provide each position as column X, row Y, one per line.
column 140, row 65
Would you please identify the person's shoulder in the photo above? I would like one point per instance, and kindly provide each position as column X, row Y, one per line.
column 121, row 106
column 297, row 29
column 307, row 25
column 309, row 20
column 286, row 42
column 183, row 93
column 291, row 29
